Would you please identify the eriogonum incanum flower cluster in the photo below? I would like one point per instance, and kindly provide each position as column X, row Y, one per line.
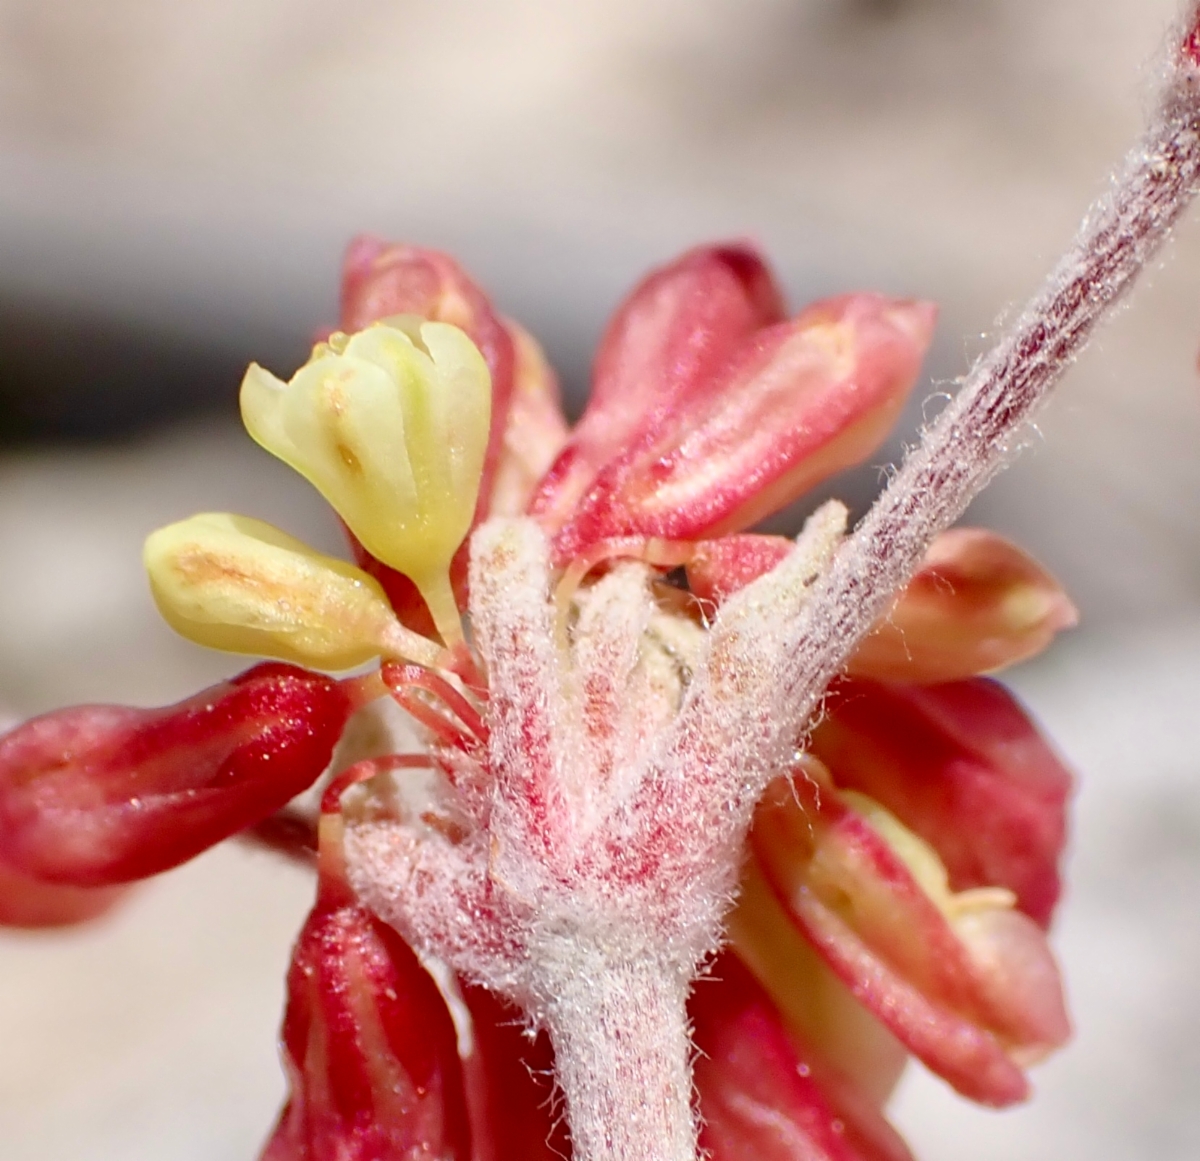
column 568, row 704
column 590, row 806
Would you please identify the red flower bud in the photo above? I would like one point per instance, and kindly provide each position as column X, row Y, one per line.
column 764, row 1095
column 536, row 429
column 665, row 346
column 369, row 1046
column 722, row 566
column 369, row 1049
column 97, row 795
column 977, row 604
column 797, row 402
column 962, row 766
column 515, row 1114
column 965, row 982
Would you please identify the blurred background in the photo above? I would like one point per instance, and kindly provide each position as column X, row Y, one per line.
column 177, row 182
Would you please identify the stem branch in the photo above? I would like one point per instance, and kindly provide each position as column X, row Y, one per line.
column 980, row 430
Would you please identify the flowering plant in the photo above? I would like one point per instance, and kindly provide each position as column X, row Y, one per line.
column 585, row 770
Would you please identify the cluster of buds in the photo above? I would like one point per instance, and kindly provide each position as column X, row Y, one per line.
column 590, row 806
column 567, row 746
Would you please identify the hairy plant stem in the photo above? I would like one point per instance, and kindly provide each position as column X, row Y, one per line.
column 981, row 429
column 622, row 1049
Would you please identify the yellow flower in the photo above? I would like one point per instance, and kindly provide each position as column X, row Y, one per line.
column 391, row 426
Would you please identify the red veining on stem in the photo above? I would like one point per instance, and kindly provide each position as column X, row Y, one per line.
column 1191, row 42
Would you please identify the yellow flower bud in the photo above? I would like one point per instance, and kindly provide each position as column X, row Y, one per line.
column 243, row 586
column 391, row 426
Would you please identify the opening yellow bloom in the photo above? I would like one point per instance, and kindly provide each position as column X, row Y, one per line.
column 391, row 426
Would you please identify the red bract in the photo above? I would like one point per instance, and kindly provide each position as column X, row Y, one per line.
column 788, row 406
column 962, row 766
column 105, row 794
column 764, row 1096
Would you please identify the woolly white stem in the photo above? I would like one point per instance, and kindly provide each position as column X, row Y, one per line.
column 978, row 432
column 622, row 1055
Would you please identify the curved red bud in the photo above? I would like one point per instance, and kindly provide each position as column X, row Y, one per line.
column 97, row 795
column 962, row 766
column 965, row 983
column 978, row 603
column 369, row 1048
column 667, row 343
column 799, row 401
column 31, row 903
column 764, row 1096
column 381, row 279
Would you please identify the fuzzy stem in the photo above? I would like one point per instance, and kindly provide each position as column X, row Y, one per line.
column 980, row 430
column 622, row 1050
